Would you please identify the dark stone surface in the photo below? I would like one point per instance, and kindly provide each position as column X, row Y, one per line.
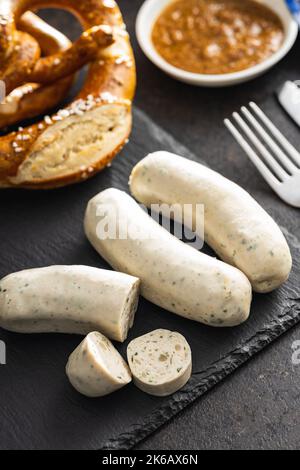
column 254, row 408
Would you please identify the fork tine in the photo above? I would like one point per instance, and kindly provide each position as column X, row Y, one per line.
column 278, row 170
column 288, row 147
column 262, row 168
column 288, row 164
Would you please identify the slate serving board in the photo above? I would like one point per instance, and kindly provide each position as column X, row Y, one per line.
column 39, row 409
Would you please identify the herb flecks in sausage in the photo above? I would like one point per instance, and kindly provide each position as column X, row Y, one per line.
column 95, row 368
column 237, row 228
column 43, row 300
column 165, row 362
column 195, row 285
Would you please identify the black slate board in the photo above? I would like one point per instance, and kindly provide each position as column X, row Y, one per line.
column 39, row 407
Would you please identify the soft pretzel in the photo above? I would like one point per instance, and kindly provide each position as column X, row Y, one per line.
column 32, row 100
column 23, row 58
column 83, row 138
column 27, row 66
column 50, row 39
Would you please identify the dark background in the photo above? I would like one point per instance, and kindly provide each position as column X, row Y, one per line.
column 258, row 406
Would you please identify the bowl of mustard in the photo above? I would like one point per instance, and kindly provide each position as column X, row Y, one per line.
column 215, row 43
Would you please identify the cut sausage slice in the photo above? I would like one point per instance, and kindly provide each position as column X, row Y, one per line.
column 69, row 299
column 95, row 368
column 160, row 362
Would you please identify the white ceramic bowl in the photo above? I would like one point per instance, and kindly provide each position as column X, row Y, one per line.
column 151, row 10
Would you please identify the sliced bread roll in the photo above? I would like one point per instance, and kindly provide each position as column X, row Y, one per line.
column 160, row 362
column 95, row 368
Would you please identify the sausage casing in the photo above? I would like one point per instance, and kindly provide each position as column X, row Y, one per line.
column 173, row 275
column 238, row 229
column 69, row 299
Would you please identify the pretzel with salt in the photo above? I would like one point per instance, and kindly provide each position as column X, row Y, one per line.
column 31, row 100
column 84, row 137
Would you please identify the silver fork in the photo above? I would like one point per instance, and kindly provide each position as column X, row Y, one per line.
column 277, row 160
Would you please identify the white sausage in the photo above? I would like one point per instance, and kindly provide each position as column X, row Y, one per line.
column 95, row 368
column 173, row 275
column 69, row 299
column 160, row 362
column 236, row 226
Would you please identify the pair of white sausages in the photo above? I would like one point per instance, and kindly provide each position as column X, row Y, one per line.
column 175, row 276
